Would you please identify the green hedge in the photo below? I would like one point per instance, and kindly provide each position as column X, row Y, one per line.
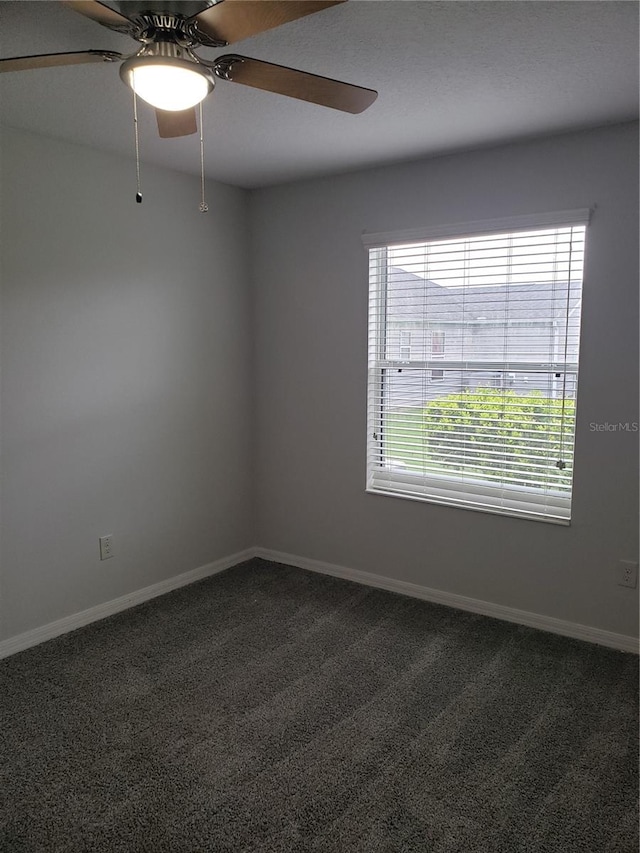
column 526, row 428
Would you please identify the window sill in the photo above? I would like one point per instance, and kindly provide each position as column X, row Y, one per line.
column 503, row 511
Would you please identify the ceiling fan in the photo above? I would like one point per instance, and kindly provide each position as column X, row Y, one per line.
column 166, row 72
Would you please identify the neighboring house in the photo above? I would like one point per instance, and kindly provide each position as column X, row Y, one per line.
column 509, row 324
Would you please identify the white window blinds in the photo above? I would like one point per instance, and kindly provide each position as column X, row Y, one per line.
column 479, row 410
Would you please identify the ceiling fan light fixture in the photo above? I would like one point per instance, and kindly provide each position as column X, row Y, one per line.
column 167, row 83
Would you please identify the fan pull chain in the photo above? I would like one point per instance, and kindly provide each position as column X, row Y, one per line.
column 204, row 207
column 135, row 131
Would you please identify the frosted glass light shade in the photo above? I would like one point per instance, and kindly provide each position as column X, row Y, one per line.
column 167, row 86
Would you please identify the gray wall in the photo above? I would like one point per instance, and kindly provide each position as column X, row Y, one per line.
column 125, row 378
column 128, row 333
column 310, row 313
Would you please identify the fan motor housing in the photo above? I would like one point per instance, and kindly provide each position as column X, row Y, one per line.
column 152, row 27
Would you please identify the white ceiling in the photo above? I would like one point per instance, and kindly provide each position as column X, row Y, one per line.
column 450, row 76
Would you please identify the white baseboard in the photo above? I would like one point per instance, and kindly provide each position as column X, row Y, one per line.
column 100, row 611
column 450, row 599
column 461, row 602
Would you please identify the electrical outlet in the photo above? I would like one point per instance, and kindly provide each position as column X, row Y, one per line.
column 106, row 547
column 628, row 573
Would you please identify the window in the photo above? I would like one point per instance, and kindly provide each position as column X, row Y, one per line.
column 437, row 351
column 484, row 417
column 405, row 346
column 437, row 344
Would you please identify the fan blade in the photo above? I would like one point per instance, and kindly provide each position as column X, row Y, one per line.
column 102, row 14
column 234, row 20
column 178, row 123
column 49, row 60
column 295, row 84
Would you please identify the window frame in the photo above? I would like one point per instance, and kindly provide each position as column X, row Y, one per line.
column 437, row 488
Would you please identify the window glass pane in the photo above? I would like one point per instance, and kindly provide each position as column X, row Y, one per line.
column 500, row 427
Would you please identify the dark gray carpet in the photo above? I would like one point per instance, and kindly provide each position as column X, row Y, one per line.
column 269, row 709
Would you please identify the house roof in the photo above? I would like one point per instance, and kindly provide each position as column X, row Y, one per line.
column 411, row 296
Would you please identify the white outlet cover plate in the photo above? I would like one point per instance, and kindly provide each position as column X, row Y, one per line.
column 628, row 573
column 106, row 547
